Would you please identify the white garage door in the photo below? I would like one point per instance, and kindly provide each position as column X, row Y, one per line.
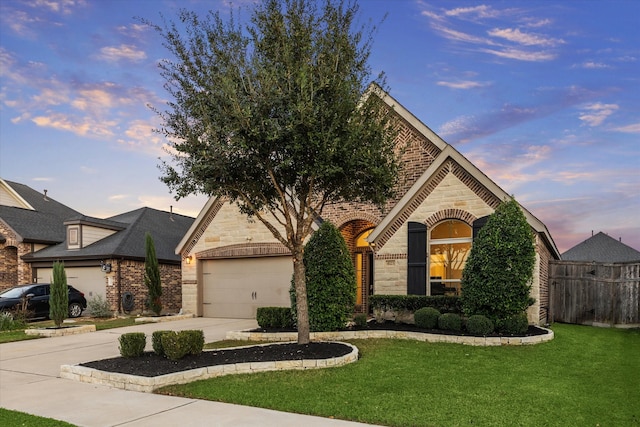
column 88, row 280
column 235, row 288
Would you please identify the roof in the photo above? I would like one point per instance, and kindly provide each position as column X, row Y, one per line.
column 166, row 229
column 43, row 223
column 601, row 248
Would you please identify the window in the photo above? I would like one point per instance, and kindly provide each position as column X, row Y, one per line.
column 449, row 246
column 360, row 263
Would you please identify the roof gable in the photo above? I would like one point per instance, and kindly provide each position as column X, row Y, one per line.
column 601, row 248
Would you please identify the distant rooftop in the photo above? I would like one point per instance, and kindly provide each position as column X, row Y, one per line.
column 601, row 248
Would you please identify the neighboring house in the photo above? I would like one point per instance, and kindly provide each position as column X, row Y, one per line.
column 602, row 248
column 417, row 243
column 29, row 221
column 101, row 256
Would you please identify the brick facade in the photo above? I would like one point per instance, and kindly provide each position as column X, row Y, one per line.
column 13, row 271
column 131, row 276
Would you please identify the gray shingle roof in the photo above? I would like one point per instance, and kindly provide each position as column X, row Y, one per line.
column 165, row 228
column 601, row 248
column 42, row 225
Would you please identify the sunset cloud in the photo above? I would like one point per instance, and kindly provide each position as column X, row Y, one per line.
column 597, row 113
column 121, row 53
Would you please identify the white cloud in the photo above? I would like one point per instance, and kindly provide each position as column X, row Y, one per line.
column 632, row 128
column 597, row 113
column 461, row 84
column 522, row 55
column 591, row 65
column 122, row 52
column 526, row 39
column 481, row 11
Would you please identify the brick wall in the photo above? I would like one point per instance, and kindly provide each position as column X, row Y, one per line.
column 131, row 276
column 13, row 271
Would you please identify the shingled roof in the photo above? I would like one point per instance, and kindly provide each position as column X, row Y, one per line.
column 166, row 229
column 601, row 248
column 43, row 224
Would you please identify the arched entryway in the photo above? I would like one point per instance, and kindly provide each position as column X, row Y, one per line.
column 355, row 234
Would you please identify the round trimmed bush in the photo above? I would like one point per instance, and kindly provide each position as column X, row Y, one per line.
column 132, row 344
column 427, row 317
column 517, row 324
column 479, row 325
column 450, row 322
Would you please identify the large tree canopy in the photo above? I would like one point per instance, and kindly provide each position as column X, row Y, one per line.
column 274, row 116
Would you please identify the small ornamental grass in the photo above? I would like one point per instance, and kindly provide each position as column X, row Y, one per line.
column 99, row 307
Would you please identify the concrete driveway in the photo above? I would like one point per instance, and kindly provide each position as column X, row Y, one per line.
column 30, row 382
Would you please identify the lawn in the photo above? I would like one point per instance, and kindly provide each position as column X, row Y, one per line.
column 101, row 324
column 14, row 418
column 586, row 376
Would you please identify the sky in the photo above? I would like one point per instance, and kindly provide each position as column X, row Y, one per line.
column 542, row 96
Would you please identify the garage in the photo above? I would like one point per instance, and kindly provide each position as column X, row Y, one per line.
column 235, row 288
column 88, row 280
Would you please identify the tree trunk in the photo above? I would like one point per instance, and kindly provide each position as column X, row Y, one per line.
column 301, row 295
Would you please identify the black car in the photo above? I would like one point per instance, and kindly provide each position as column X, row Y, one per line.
column 37, row 296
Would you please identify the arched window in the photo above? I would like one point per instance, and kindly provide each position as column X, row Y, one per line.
column 449, row 246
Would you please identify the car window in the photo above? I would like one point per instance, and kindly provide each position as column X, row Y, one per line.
column 12, row 293
column 38, row 291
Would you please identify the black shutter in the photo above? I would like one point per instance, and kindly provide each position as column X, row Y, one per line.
column 417, row 259
column 478, row 224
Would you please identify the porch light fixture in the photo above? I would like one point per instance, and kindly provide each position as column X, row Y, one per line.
column 106, row 268
column 188, row 259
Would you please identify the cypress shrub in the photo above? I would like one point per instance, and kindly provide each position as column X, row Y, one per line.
column 330, row 279
column 450, row 322
column 479, row 325
column 496, row 280
column 427, row 317
column 132, row 344
column 152, row 275
column 58, row 295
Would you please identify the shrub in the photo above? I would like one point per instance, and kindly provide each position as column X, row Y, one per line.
column 59, row 295
column 274, row 317
column 443, row 303
column 152, row 275
column 496, row 278
column 450, row 322
column 517, row 324
column 176, row 345
column 156, row 342
column 330, row 279
column 9, row 322
column 132, row 344
column 427, row 317
column 99, row 307
column 360, row 320
column 479, row 325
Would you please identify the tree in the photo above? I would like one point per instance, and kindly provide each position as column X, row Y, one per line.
column 152, row 275
column 275, row 117
column 58, row 295
column 496, row 281
column 330, row 278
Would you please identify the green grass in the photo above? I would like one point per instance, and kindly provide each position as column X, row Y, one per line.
column 101, row 324
column 585, row 377
column 14, row 419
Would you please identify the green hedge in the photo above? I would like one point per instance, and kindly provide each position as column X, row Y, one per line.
column 176, row 345
column 442, row 303
column 132, row 344
column 274, row 317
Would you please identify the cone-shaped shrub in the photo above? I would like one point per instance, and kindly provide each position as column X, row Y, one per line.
column 331, row 280
column 58, row 295
column 152, row 275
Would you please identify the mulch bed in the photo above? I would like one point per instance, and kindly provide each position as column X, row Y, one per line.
column 151, row 365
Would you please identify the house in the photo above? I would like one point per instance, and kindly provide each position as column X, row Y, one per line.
column 416, row 244
column 102, row 256
column 602, row 248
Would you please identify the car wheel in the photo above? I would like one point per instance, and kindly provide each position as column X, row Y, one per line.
column 75, row 309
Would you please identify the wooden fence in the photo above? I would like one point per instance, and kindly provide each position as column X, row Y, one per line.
column 591, row 293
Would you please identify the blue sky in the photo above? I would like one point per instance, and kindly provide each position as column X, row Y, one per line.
column 544, row 97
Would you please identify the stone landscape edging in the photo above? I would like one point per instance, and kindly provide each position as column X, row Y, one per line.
column 159, row 319
column 149, row 384
column 248, row 335
column 59, row 332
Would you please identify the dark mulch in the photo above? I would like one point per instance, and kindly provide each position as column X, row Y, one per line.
column 151, row 365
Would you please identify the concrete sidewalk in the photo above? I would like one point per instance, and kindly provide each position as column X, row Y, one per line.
column 30, row 382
